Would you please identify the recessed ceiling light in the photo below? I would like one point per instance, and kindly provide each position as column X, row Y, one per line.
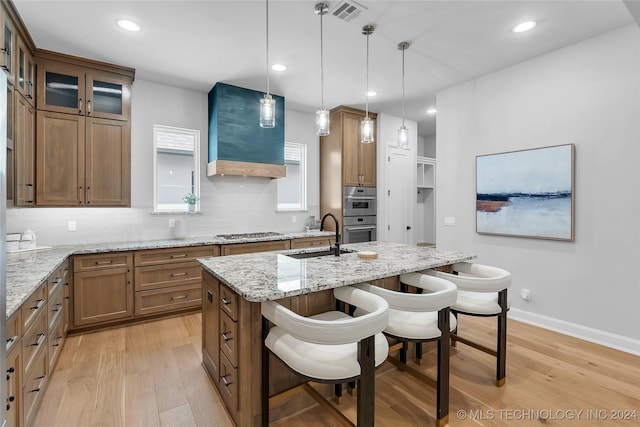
column 371, row 93
column 129, row 25
column 524, row 26
column 432, row 111
column 278, row 67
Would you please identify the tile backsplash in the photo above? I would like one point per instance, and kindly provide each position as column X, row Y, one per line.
column 228, row 205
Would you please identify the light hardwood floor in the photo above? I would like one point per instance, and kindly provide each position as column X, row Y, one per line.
column 149, row 374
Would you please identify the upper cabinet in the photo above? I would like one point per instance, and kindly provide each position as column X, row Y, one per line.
column 7, row 45
column 359, row 160
column 72, row 89
column 26, row 72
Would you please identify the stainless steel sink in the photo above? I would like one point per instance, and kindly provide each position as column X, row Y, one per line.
column 304, row 255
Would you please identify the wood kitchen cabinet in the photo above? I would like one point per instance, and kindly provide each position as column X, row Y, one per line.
column 25, row 72
column 102, row 289
column 7, row 43
column 312, row 242
column 80, row 90
column 247, row 248
column 210, row 326
column 169, row 280
column 25, row 152
column 82, row 161
column 14, row 370
column 10, row 146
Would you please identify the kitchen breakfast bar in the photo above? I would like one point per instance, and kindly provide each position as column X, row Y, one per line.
column 300, row 280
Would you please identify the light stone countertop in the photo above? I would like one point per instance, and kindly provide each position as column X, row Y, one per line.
column 27, row 270
column 274, row 275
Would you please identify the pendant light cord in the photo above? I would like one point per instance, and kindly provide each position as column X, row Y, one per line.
column 321, row 66
column 267, row 6
column 366, row 108
column 403, row 86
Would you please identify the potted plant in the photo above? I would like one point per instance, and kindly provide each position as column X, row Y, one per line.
column 190, row 199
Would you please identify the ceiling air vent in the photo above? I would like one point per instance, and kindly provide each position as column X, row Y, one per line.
column 348, row 10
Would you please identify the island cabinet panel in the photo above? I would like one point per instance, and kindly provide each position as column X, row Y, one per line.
column 103, row 289
column 210, row 326
column 163, row 300
column 231, row 350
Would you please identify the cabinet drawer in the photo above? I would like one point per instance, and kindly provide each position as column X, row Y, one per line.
column 229, row 338
column 33, row 388
column 228, row 384
column 14, row 387
column 168, row 299
column 312, row 242
column 55, row 280
column 171, row 255
column 33, row 306
column 34, row 342
column 56, row 338
column 160, row 276
column 248, row 248
column 13, row 331
column 229, row 302
column 54, row 307
column 94, row 262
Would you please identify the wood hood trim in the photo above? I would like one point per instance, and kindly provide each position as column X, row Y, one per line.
column 229, row 167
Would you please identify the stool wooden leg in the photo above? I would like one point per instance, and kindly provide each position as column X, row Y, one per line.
column 265, row 375
column 442, row 385
column 337, row 393
column 418, row 352
column 501, row 363
column 403, row 352
column 455, row 331
column 366, row 387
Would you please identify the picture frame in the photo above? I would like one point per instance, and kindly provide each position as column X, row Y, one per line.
column 527, row 193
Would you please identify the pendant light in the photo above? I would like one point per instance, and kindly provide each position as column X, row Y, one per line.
column 366, row 127
column 322, row 115
column 267, row 104
column 403, row 133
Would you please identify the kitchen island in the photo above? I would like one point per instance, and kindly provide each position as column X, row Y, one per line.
column 234, row 286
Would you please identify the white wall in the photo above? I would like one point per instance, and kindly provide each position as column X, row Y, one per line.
column 229, row 204
column 587, row 94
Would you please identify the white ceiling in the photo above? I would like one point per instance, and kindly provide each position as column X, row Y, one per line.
column 194, row 44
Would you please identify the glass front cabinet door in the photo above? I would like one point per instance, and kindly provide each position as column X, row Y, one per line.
column 82, row 91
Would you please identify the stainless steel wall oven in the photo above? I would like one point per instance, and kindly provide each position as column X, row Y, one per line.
column 359, row 214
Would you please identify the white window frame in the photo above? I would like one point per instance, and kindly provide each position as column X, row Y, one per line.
column 196, row 158
column 303, row 180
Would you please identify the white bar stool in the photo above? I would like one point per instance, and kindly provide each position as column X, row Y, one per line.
column 421, row 318
column 482, row 291
column 330, row 347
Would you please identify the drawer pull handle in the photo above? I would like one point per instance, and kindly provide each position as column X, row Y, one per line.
column 11, row 370
column 104, row 262
column 40, row 336
column 58, row 280
column 40, row 377
column 38, row 304
column 178, row 297
column 224, row 380
column 55, row 309
column 55, row 345
column 178, row 256
column 225, row 337
column 11, row 340
column 35, row 390
column 225, row 301
column 179, row 274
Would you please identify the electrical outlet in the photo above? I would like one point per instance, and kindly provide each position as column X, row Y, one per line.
column 525, row 294
column 72, row 226
column 294, row 219
column 172, row 222
column 449, row 220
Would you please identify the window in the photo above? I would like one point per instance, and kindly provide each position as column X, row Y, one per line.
column 292, row 190
column 176, row 168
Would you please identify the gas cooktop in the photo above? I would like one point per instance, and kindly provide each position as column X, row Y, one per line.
column 248, row 235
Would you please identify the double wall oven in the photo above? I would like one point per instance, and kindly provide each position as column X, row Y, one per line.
column 359, row 214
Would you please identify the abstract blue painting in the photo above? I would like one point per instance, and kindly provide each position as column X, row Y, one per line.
column 527, row 193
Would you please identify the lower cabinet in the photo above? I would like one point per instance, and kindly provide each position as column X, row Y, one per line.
column 313, row 242
column 102, row 288
column 210, row 326
column 247, row 248
column 14, row 371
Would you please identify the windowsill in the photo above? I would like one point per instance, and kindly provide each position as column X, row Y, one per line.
column 176, row 213
column 292, row 210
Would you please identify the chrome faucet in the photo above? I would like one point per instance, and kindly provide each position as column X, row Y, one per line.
column 336, row 248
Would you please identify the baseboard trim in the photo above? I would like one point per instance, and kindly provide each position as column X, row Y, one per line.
column 618, row 342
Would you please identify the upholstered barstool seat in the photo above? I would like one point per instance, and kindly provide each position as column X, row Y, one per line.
column 321, row 360
column 422, row 317
column 330, row 347
column 482, row 291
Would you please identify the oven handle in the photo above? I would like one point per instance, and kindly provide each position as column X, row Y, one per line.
column 369, row 227
column 361, row 197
